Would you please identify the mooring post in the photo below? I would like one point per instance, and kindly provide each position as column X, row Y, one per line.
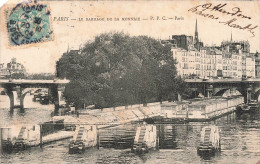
column 40, row 136
column 98, row 140
column 157, row 136
column 1, row 140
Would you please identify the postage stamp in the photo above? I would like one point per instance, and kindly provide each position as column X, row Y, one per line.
column 28, row 23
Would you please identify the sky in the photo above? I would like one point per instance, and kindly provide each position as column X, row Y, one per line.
column 41, row 57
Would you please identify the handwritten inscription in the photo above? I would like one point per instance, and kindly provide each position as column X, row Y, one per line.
column 208, row 10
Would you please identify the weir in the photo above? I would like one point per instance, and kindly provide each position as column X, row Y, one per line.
column 209, row 141
column 145, row 139
column 85, row 136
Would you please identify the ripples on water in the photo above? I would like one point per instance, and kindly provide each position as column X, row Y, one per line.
column 240, row 142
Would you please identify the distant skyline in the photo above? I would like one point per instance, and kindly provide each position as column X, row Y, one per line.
column 42, row 57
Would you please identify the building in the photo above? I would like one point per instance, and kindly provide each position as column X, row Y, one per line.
column 3, row 71
column 250, row 65
column 232, row 59
column 183, row 41
column 13, row 69
column 257, row 64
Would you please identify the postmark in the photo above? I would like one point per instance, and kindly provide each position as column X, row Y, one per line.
column 28, row 23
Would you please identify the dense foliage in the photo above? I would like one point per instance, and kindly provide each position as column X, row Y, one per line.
column 116, row 69
column 34, row 76
column 41, row 76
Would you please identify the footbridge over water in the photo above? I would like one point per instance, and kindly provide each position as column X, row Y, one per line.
column 24, row 86
column 249, row 88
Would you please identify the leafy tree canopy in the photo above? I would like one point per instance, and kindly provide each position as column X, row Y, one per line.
column 117, row 69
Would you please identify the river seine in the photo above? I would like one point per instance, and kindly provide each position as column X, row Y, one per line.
column 240, row 141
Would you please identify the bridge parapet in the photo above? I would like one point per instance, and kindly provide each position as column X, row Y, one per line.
column 231, row 80
column 20, row 85
column 246, row 87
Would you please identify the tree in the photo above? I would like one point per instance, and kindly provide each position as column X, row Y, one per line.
column 116, row 69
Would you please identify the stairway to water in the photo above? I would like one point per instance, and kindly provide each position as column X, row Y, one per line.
column 80, row 133
column 19, row 144
column 21, row 133
column 207, row 137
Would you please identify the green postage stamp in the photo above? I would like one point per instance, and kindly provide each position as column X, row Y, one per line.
column 28, row 23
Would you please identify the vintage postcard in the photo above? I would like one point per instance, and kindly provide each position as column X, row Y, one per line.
column 130, row 81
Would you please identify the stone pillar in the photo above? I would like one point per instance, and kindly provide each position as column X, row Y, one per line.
column 248, row 94
column 21, row 98
column 10, row 94
column 55, row 96
column 209, row 90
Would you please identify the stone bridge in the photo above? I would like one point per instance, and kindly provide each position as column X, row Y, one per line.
column 22, row 87
column 249, row 88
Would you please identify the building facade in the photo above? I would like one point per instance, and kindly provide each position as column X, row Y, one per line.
column 12, row 69
column 257, row 64
column 232, row 59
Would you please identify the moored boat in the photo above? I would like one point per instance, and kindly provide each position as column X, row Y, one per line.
column 253, row 105
column 7, row 146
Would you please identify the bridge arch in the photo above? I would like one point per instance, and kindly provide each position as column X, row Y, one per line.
column 228, row 92
column 14, row 86
column 2, row 91
column 23, row 94
column 257, row 94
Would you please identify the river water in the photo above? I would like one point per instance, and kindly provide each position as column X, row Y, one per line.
column 240, row 141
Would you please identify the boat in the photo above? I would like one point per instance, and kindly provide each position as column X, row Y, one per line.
column 253, row 105
column 76, row 147
column 243, row 108
column 7, row 145
column 248, row 108
column 209, row 141
column 19, row 145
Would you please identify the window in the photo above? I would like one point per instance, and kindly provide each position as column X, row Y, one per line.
column 186, row 66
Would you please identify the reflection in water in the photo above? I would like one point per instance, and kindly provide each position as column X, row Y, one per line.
column 167, row 137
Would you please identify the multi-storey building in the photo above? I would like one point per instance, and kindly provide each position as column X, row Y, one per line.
column 3, row 71
column 231, row 60
column 250, row 65
column 12, row 68
column 257, row 64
